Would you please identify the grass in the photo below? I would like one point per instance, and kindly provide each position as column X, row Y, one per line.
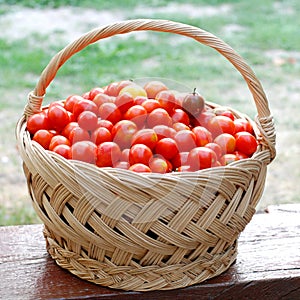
column 260, row 26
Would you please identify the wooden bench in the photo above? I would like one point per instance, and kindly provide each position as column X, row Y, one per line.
column 267, row 266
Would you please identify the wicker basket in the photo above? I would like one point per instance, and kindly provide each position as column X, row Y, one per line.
column 144, row 232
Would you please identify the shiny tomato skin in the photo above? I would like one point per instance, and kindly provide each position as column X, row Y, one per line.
column 158, row 165
column 166, row 147
column 140, row 153
column 105, row 123
column 85, row 151
column 68, row 128
column 159, row 116
column 123, row 132
column 94, row 92
column 58, row 140
column 221, row 124
column 63, row 150
column 124, row 102
column 58, row 117
column 163, row 131
column 216, row 148
column 109, row 111
column 140, row 168
column 102, row 98
column 243, row 125
column 150, row 105
column 136, row 114
column 78, row 134
column 84, row 105
column 88, row 120
column 70, row 102
column 186, row 140
column 101, row 135
column 38, row 121
column 179, row 115
column 178, row 126
column 43, row 137
column 122, row 165
column 108, row 154
column 228, row 158
column 167, row 100
column 203, row 135
column 146, row 136
column 180, row 159
column 201, row 158
column 245, row 143
column 226, row 141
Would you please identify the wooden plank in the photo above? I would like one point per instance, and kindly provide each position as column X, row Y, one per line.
column 267, row 266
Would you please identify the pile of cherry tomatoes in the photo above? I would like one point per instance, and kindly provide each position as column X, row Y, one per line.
column 147, row 128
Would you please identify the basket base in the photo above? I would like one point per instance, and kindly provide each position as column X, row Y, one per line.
column 140, row 278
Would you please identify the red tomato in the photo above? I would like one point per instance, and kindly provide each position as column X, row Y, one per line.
column 137, row 114
column 140, row 168
column 228, row 158
column 88, row 120
column 43, row 137
column 221, row 124
column 58, row 117
column 245, row 143
column 101, row 135
column 122, row 165
column 184, row 169
column 110, row 112
column 153, row 87
column 139, row 100
column 94, row 92
column 108, row 154
column 112, row 89
column 68, row 128
column 63, row 150
column 83, row 105
column 203, row 119
column 150, row 105
column 180, row 126
column 240, row 155
column 121, row 84
column 58, row 140
column 167, row 100
column 105, row 123
column 84, row 151
column 70, row 102
column 158, row 165
column 226, row 113
column 159, row 116
column 167, row 148
column 78, row 134
column 164, row 131
column 180, row 159
column 140, row 153
column 38, row 121
column 145, row 136
column 243, row 125
column 186, row 140
column 216, row 148
column 181, row 116
column 125, row 155
column 203, row 136
column 201, row 158
column 124, row 102
column 226, row 141
column 102, row 98
column 123, row 132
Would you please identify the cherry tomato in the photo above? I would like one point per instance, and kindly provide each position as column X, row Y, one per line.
column 243, row 125
column 186, row 140
column 111, row 89
column 221, row 124
column 134, row 90
column 137, row 114
column 140, row 153
column 167, row 148
column 88, row 120
column 216, row 148
column 150, row 105
column 94, row 92
column 167, row 100
column 70, row 102
column 78, row 134
column 122, row 165
column 226, row 113
column 121, row 84
column 180, row 126
column 125, row 155
column 84, row 105
column 153, row 87
column 146, row 136
column 85, row 151
column 228, row 158
column 58, row 117
column 105, row 123
column 140, row 168
column 110, row 112
column 124, row 102
column 193, row 104
column 240, row 155
column 159, row 116
column 185, row 168
column 63, row 150
column 158, row 165
column 43, row 137
column 102, row 98
column 203, row 136
column 139, row 100
column 68, row 128
column 201, row 158
column 38, row 121
column 181, row 116
column 108, row 154
column 58, row 140
column 226, row 141
column 101, row 135
column 203, row 119
column 123, row 132
column 179, row 159
column 245, row 143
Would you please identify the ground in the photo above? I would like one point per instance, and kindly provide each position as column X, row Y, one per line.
column 284, row 173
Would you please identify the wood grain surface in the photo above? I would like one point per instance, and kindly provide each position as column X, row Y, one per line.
column 267, row 266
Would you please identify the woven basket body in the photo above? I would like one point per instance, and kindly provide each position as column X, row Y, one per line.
column 133, row 231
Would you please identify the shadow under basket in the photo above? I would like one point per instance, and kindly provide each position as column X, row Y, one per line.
column 144, row 232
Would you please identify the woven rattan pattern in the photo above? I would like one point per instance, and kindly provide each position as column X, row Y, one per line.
column 144, row 231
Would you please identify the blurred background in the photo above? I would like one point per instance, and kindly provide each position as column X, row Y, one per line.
column 265, row 33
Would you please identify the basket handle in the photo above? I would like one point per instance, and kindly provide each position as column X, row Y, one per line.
column 264, row 119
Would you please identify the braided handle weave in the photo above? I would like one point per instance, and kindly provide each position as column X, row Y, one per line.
column 264, row 119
